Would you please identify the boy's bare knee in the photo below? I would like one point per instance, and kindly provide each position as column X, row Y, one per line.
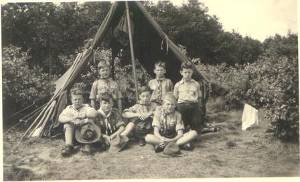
column 148, row 137
column 130, row 124
column 193, row 132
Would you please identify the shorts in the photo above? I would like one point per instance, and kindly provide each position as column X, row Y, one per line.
column 191, row 115
column 168, row 134
column 143, row 127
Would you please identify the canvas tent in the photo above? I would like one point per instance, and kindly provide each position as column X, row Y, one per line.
column 148, row 44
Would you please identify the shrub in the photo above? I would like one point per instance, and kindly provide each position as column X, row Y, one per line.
column 22, row 85
column 270, row 83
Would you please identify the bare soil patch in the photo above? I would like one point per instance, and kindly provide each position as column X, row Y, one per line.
column 227, row 153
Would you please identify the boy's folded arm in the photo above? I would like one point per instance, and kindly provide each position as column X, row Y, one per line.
column 65, row 118
column 91, row 113
column 129, row 115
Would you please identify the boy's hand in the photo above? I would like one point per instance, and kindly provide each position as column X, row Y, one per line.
column 81, row 116
column 165, row 139
column 106, row 139
column 78, row 122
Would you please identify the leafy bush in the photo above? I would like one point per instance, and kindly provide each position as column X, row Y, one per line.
column 270, row 83
column 22, row 85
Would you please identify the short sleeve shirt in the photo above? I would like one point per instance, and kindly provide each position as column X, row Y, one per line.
column 187, row 91
column 141, row 108
column 170, row 122
column 71, row 112
column 102, row 86
column 160, row 88
column 111, row 123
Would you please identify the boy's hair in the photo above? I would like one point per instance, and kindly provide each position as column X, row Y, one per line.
column 102, row 63
column 76, row 91
column 160, row 64
column 144, row 89
column 106, row 97
column 186, row 65
column 170, row 97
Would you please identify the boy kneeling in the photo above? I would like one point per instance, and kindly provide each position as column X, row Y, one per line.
column 168, row 126
column 74, row 116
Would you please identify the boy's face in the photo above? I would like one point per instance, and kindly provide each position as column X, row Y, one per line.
column 145, row 97
column 104, row 72
column 77, row 101
column 186, row 73
column 159, row 71
column 106, row 106
column 168, row 106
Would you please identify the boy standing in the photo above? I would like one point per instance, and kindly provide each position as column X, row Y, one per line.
column 110, row 121
column 188, row 94
column 160, row 85
column 74, row 115
column 105, row 85
column 141, row 114
column 168, row 126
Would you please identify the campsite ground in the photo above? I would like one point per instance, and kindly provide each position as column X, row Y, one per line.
column 227, row 153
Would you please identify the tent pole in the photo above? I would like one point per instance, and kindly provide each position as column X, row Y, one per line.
column 131, row 50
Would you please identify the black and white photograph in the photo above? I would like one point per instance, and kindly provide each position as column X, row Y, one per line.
column 143, row 90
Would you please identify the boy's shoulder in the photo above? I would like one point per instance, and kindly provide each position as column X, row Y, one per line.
column 180, row 82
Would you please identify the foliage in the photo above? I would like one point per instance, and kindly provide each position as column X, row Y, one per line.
column 48, row 31
column 270, row 83
column 22, row 85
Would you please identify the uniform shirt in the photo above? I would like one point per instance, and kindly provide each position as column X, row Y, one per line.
column 160, row 88
column 71, row 112
column 141, row 108
column 111, row 122
column 187, row 91
column 167, row 122
column 102, row 86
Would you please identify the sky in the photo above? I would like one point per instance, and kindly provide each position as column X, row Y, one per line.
column 258, row 19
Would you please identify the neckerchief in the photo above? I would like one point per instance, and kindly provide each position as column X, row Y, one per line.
column 159, row 88
column 107, row 124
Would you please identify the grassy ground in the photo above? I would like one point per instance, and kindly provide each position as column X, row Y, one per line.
column 227, row 153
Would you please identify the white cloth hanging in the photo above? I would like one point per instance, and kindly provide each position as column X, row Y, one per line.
column 250, row 117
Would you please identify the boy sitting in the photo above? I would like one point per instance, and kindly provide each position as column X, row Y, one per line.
column 105, row 85
column 74, row 115
column 140, row 115
column 168, row 126
column 110, row 121
column 188, row 94
column 160, row 85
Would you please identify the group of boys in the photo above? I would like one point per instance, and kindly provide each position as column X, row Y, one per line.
column 163, row 114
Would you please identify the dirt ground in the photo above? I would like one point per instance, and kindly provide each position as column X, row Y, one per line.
column 227, row 153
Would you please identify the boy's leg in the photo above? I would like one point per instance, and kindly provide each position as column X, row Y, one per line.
column 69, row 133
column 129, row 127
column 196, row 117
column 183, row 109
column 152, row 139
column 187, row 137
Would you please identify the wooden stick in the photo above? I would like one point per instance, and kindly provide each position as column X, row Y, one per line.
column 32, row 113
column 132, row 51
column 41, row 120
column 47, row 118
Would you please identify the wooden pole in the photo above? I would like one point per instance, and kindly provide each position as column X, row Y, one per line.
column 131, row 51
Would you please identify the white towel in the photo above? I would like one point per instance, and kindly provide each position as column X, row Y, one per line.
column 250, row 117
